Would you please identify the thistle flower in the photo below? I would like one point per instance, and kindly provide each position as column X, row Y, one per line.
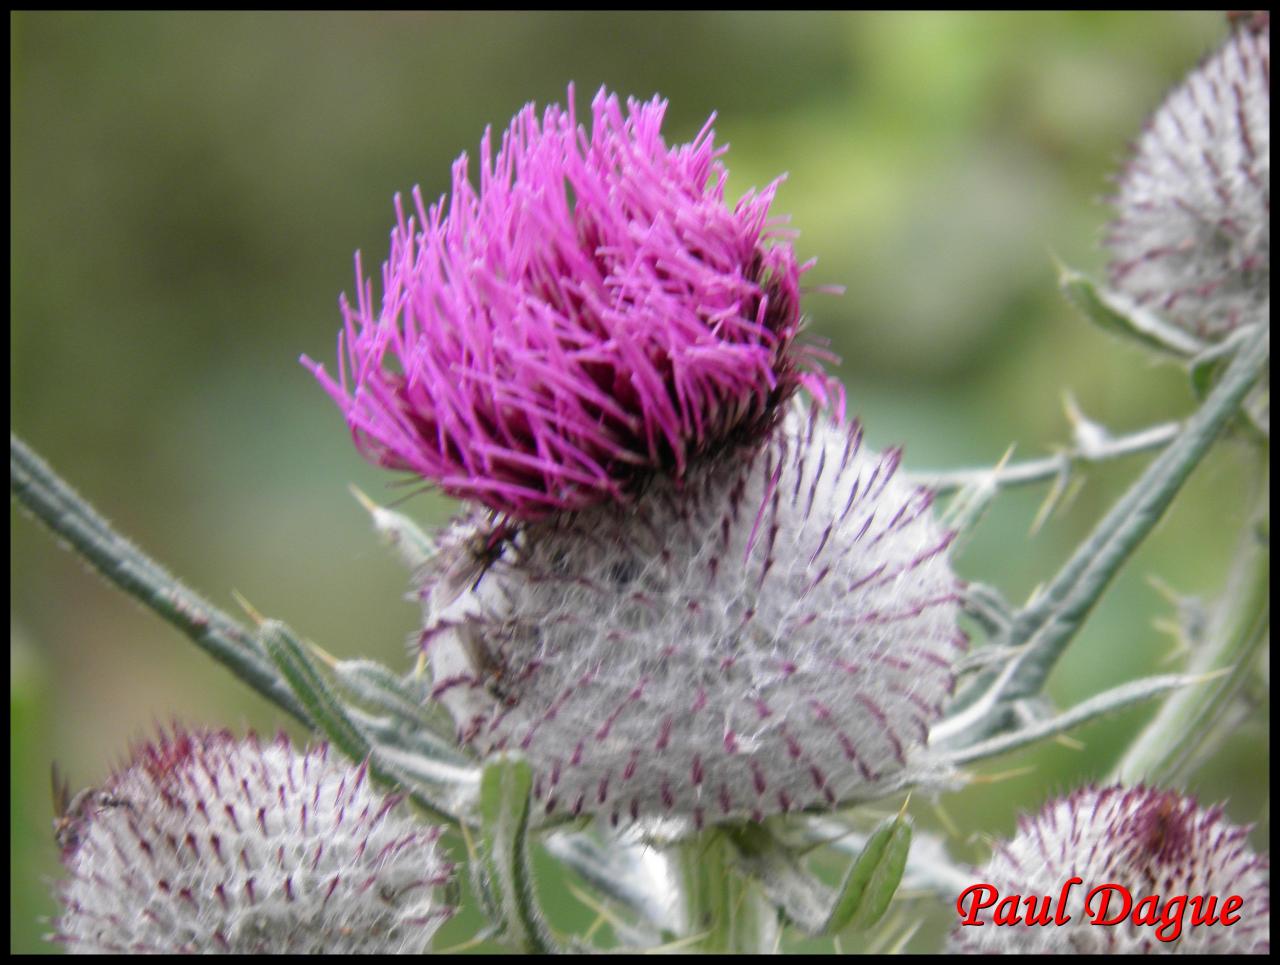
column 593, row 313
column 1148, row 841
column 1192, row 236
column 774, row 634
column 206, row 844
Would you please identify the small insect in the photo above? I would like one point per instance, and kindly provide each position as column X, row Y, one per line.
column 488, row 665
column 71, row 814
column 1165, row 828
column 465, row 560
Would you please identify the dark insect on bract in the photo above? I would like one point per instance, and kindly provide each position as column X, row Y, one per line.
column 71, row 814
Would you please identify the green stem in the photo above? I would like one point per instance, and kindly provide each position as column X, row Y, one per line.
column 1186, row 725
column 723, row 907
column 1049, row 622
column 1050, row 467
column 60, row 508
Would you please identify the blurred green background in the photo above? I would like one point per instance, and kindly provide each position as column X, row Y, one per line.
column 187, row 191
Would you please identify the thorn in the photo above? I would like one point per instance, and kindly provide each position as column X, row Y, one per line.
column 1064, row 272
column 477, row 939
column 677, row 944
column 1089, row 436
column 945, row 820
column 363, row 500
column 603, row 914
column 250, row 610
column 468, row 843
column 329, row 659
column 1168, row 593
column 898, row 945
column 1204, row 678
column 1054, row 496
column 1002, row 775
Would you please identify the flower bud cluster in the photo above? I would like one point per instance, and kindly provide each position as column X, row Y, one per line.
column 1192, row 235
column 203, row 843
column 1145, row 842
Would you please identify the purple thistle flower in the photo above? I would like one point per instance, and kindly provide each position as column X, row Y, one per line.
column 1148, row 841
column 777, row 633
column 1192, row 235
column 207, row 844
column 595, row 312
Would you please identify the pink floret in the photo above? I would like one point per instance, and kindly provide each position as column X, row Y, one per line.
column 593, row 314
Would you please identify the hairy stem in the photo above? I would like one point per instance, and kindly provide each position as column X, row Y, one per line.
column 1045, row 626
column 1240, row 629
column 66, row 513
column 1051, row 467
column 725, row 910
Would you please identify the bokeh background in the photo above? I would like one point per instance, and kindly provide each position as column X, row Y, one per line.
column 187, row 191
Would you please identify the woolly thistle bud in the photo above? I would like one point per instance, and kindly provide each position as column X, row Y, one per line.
column 206, row 844
column 1148, row 841
column 593, row 313
column 1192, row 236
column 775, row 633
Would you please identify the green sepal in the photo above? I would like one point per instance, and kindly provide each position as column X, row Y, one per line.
column 344, row 729
column 1118, row 314
column 873, row 879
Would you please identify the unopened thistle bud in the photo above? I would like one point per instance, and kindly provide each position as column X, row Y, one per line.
column 203, row 843
column 593, row 313
column 1192, row 236
column 1144, row 842
column 775, row 632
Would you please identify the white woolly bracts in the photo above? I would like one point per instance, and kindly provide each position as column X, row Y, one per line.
column 1192, row 233
column 775, row 632
column 204, row 843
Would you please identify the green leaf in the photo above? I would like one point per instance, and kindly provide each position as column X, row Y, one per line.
column 436, row 789
column 295, row 665
column 506, row 872
column 1049, row 621
column 55, row 504
column 381, row 690
column 872, row 880
column 1120, row 315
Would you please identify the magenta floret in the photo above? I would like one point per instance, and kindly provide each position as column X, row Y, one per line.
column 594, row 313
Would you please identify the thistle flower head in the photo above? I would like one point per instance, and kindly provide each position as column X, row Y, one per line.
column 1192, row 236
column 593, row 312
column 775, row 633
column 1147, row 840
column 208, row 844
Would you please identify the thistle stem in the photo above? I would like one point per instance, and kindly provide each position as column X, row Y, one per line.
column 1185, row 727
column 52, row 501
column 1052, row 467
column 723, row 907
